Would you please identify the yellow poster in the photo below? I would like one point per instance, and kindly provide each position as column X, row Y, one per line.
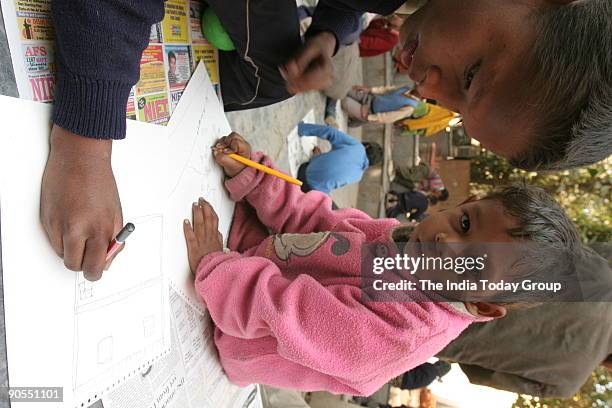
column 152, row 71
column 175, row 25
column 208, row 54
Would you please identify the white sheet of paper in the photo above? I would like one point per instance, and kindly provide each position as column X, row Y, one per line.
column 197, row 122
column 63, row 330
column 190, row 376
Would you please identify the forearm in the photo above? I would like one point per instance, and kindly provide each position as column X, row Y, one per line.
column 98, row 51
column 282, row 206
column 341, row 23
column 79, row 151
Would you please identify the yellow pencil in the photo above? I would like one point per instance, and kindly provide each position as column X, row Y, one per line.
column 265, row 169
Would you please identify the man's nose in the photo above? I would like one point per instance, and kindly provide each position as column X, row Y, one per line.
column 440, row 237
column 445, row 238
column 435, row 86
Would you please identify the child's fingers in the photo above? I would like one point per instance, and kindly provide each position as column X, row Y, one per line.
column 235, row 136
column 198, row 220
column 190, row 236
column 224, row 141
column 210, row 216
column 220, row 144
column 236, row 146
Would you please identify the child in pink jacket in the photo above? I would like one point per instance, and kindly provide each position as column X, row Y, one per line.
column 286, row 298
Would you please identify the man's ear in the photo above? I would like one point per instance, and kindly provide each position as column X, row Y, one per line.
column 486, row 309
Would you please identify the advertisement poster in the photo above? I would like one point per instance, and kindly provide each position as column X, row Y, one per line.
column 156, row 34
column 130, row 109
column 195, row 15
column 43, row 87
column 175, row 26
column 208, row 54
column 153, row 108
column 38, row 58
column 175, row 97
column 37, row 29
column 33, row 8
column 152, row 73
column 176, row 44
column 179, row 66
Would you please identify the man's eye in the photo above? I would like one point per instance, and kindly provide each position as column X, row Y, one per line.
column 464, row 222
column 470, row 74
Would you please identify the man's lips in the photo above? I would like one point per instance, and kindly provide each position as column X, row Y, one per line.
column 408, row 52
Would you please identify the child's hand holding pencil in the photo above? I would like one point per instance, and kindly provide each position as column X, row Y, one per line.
column 233, row 153
column 233, row 143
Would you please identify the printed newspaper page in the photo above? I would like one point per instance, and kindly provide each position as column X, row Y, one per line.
column 190, row 376
column 175, row 48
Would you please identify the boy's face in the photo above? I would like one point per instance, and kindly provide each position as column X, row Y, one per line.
column 471, row 229
column 481, row 221
column 471, row 56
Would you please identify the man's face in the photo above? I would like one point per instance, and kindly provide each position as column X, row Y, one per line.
column 470, row 56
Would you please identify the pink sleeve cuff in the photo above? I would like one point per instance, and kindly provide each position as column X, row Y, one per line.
column 209, row 262
column 244, row 182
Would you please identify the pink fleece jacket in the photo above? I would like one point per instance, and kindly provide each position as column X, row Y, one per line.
column 287, row 301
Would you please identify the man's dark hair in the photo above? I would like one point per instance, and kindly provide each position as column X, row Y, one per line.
column 374, row 152
column 572, row 103
column 171, row 54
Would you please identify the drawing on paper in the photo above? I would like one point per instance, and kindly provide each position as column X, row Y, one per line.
column 196, row 124
column 104, row 342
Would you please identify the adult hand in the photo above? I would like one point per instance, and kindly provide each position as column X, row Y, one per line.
column 311, row 68
column 203, row 237
column 233, row 143
column 80, row 208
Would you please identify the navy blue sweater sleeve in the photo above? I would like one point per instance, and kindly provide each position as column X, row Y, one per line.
column 99, row 46
column 342, row 17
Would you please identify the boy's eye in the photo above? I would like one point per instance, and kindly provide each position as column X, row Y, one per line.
column 470, row 74
column 464, row 222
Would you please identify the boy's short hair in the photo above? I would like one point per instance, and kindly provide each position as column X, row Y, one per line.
column 572, row 102
column 374, row 152
column 542, row 221
column 540, row 218
column 171, row 55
